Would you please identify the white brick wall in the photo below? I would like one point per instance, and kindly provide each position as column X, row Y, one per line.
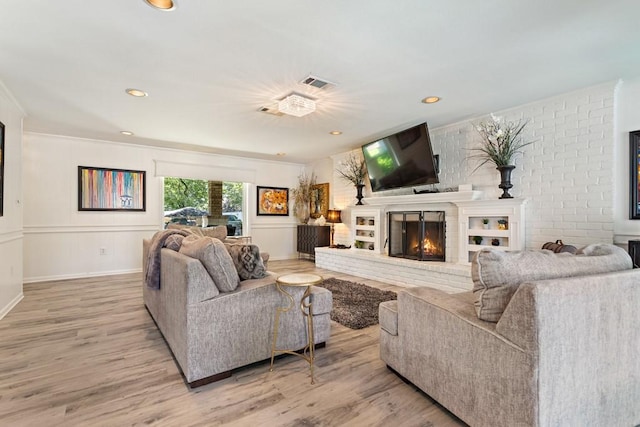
column 567, row 173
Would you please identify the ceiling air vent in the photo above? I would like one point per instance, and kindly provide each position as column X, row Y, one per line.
column 317, row 82
column 271, row 109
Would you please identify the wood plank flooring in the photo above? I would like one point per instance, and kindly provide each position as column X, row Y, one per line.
column 85, row 352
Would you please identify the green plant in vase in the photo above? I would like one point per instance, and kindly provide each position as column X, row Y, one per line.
column 353, row 170
column 477, row 239
column 501, row 141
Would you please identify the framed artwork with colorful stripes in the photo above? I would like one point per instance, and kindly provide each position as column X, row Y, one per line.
column 103, row 189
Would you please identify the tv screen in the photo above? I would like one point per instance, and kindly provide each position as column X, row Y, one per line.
column 403, row 159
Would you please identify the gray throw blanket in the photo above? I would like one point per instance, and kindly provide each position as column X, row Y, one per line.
column 152, row 279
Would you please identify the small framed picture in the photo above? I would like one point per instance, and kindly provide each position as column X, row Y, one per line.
column 102, row 189
column 319, row 200
column 273, row 201
column 634, row 184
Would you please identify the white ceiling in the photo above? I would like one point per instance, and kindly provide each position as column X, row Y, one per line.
column 209, row 65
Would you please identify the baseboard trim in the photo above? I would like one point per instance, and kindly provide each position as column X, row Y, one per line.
column 39, row 279
column 10, row 306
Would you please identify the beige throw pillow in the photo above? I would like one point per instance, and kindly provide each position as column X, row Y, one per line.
column 496, row 274
column 215, row 258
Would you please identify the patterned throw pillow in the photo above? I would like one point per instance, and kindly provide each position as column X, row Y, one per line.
column 247, row 260
column 174, row 242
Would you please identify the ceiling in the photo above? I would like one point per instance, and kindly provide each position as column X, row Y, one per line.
column 208, row 66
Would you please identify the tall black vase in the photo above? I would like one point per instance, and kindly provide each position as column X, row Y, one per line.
column 359, row 196
column 505, row 180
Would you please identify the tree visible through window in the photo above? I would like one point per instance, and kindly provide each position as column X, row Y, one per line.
column 186, row 201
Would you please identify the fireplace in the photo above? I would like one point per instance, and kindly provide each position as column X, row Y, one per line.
column 418, row 235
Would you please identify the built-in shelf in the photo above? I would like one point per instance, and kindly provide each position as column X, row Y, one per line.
column 365, row 226
column 509, row 236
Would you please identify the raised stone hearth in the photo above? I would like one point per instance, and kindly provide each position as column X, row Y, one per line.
column 447, row 276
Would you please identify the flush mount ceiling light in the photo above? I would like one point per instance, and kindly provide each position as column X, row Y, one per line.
column 335, row 132
column 296, row 105
column 431, row 100
column 166, row 5
column 126, row 132
column 136, row 92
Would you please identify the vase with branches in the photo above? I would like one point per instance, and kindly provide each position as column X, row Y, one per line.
column 501, row 141
column 353, row 170
column 302, row 196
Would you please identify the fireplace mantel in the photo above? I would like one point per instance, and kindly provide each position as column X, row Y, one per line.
column 444, row 197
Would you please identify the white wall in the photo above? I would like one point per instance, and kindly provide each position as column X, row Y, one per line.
column 62, row 242
column 11, row 222
column 567, row 174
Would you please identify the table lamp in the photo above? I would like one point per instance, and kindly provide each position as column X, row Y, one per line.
column 333, row 217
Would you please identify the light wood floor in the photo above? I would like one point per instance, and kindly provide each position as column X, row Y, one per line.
column 85, row 352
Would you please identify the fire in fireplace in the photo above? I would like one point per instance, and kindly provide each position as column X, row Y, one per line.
column 418, row 235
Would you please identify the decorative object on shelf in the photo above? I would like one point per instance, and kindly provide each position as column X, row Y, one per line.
column 319, row 200
column 353, row 170
column 333, row 217
column 102, row 189
column 273, row 201
column 501, row 141
column 503, row 224
column 495, row 242
column 485, row 223
column 477, row 239
column 302, row 197
column 634, row 184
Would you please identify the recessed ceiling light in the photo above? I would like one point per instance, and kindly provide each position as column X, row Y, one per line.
column 431, row 99
column 335, row 132
column 137, row 92
column 166, row 5
column 126, row 132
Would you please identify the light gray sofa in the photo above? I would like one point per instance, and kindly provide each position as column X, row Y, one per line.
column 212, row 333
column 565, row 352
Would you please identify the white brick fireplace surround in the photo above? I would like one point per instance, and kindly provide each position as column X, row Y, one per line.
column 453, row 275
column 569, row 176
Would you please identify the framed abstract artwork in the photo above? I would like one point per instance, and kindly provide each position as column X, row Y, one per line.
column 1, row 169
column 319, row 200
column 272, row 201
column 634, row 183
column 102, row 189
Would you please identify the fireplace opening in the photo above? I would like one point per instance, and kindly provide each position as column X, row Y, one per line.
column 418, row 235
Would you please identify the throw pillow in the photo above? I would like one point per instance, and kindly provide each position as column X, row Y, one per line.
column 215, row 258
column 174, row 242
column 496, row 274
column 247, row 260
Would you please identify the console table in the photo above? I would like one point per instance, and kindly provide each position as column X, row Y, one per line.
column 312, row 236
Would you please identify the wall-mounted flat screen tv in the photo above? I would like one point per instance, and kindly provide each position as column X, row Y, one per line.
column 404, row 159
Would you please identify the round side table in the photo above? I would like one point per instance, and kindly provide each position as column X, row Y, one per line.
column 296, row 280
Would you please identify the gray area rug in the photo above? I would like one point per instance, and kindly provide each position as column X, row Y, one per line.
column 355, row 305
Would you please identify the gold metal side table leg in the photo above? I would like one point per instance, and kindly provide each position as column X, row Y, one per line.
column 276, row 323
column 308, row 314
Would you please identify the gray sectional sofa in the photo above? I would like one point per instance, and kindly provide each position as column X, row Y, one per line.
column 562, row 348
column 212, row 332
